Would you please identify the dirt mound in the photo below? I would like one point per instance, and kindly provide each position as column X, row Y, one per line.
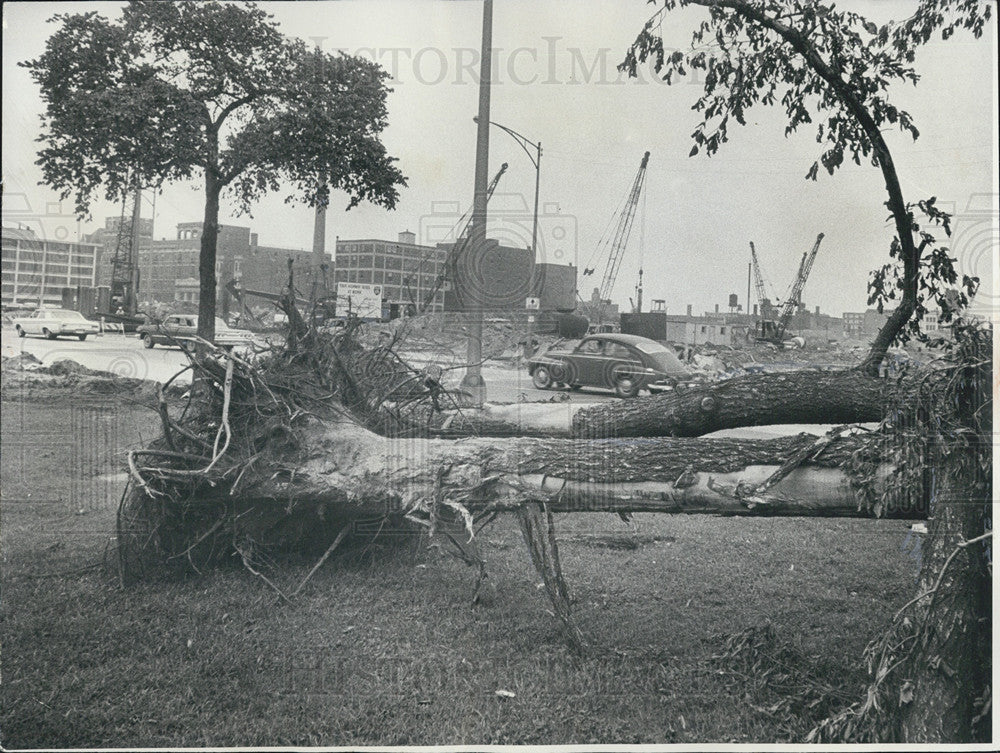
column 20, row 362
column 25, row 378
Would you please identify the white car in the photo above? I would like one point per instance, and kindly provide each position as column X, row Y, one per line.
column 53, row 323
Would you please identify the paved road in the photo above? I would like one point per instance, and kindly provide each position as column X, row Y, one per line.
column 124, row 355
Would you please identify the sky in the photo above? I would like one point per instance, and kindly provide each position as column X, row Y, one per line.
column 555, row 82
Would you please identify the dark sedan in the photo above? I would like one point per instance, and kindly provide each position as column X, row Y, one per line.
column 623, row 363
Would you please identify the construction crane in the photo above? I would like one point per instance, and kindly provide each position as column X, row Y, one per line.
column 621, row 236
column 774, row 331
column 458, row 247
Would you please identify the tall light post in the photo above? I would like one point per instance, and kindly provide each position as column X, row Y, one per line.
column 472, row 382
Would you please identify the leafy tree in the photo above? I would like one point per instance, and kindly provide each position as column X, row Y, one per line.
column 173, row 90
column 830, row 69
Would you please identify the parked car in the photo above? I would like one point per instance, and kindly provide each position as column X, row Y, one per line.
column 53, row 323
column 182, row 329
column 623, row 363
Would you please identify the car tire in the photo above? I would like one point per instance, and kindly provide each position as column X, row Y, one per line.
column 20, row 332
column 48, row 335
column 541, row 378
column 626, row 386
column 147, row 341
column 82, row 337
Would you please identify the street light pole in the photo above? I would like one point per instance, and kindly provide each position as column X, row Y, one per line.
column 472, row 382
column 536, row 160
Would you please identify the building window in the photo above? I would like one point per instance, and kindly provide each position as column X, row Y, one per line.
column 722, row 330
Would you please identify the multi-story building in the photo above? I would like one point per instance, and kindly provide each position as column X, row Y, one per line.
column 862, row 324
column 501, row 280
column 168, row 268
column 407, row 271
column 39, row 272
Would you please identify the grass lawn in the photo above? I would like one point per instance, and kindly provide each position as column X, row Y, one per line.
column 383, row 648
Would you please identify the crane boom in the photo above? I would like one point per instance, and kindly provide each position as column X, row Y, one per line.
column 758, row 277
column 794, row 299
column 623, row 231
column 458, row 247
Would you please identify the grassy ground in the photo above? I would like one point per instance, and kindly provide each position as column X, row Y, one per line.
column 383, row 648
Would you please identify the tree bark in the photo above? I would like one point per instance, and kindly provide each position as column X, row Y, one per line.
column 798, row 397
column 356, row 470
column 951, row 667
column 209, row 239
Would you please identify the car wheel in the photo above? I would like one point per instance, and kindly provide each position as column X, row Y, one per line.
column 626, row 386
column 541, row 378
column 48, row 335
column 147, row 340
column 20, row 332
column 82, row 337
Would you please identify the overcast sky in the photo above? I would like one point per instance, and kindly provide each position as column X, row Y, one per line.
column 556, row 83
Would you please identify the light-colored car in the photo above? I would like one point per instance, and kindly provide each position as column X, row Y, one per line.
column 53, row 323
column 181, row 329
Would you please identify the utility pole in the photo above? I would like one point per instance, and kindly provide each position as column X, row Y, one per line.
column 472, row 382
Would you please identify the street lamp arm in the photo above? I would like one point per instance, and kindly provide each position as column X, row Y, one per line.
column 522, row 141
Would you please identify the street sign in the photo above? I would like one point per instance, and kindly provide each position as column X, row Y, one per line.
column 360, row 300
column 532, row 304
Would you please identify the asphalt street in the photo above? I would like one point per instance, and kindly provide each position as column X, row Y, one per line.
column 125, row 355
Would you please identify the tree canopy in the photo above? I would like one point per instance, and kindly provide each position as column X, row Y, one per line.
column 832, row 70
column 171, row 91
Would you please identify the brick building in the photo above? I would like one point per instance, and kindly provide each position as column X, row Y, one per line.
column 167, row 267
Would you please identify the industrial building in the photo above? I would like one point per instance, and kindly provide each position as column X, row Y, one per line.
column 407, row 271
column 38, row 272
column 168, row 268
column 503, row 279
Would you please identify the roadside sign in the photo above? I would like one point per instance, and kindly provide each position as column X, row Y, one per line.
column 532, row 304
column 358, row 299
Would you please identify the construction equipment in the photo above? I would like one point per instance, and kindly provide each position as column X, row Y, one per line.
column 125, row 262
column 124, row 301
column 775, row 330
column 620, row 238
column 458, row 247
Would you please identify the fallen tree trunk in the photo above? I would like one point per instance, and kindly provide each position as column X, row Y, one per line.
column 798, row 397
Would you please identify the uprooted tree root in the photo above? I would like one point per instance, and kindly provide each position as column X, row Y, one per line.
column 184, row 508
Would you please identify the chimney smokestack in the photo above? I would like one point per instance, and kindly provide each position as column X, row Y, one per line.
column 689, row 309
column 716, row 308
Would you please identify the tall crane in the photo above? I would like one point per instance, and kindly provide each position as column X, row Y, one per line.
column 125, row 262
column 448, row 271
column 771, row 330
column 794, row 299
column 622, row 232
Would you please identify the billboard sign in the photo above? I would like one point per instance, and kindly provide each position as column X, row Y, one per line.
column 359, row 299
